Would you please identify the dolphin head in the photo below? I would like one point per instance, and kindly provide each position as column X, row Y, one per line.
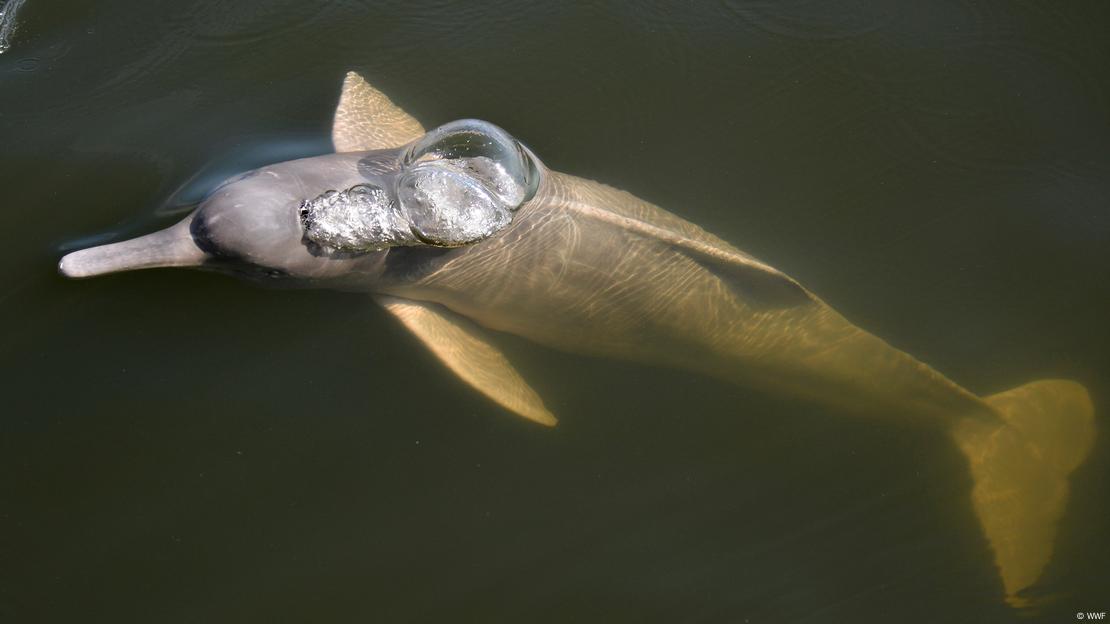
column 336, row 215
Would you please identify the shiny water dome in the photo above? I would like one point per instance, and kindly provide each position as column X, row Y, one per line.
column 457, row 185
column 462, row 182
column 362, row 218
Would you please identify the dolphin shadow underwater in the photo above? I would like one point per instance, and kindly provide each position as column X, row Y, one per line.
column 463, row 228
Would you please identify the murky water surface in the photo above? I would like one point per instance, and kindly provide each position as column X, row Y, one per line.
column 182, row 447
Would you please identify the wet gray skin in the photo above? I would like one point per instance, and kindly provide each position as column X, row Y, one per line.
column 463, row 227
column 330, row 220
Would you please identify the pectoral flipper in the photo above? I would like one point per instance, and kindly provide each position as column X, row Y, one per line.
column 460, row 345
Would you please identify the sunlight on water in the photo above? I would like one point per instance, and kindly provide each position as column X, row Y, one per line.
column 8, row 12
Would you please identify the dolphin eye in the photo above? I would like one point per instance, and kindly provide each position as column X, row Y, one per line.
column 462, row 181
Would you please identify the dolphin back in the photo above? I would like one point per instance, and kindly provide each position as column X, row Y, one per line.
column 759, row 284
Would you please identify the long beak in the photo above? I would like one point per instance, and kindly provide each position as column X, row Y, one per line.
column 171, row 247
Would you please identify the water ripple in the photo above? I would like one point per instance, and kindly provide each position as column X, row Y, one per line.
column 809, row 20
column 222, row 24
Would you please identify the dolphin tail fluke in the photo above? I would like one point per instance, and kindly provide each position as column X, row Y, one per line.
column 1020, row 469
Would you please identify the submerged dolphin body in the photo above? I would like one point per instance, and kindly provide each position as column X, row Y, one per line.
column 465, row 223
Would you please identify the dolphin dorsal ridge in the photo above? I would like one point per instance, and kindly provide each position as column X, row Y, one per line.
column 366, row 119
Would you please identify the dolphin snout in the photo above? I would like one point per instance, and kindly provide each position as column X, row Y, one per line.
column 173, row 246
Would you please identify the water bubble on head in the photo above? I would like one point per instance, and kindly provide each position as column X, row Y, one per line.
column 490, row 153
column 448, row 206
column 462, row 181
column 359, row 219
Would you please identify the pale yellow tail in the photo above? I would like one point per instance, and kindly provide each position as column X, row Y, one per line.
column 1020, row 468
